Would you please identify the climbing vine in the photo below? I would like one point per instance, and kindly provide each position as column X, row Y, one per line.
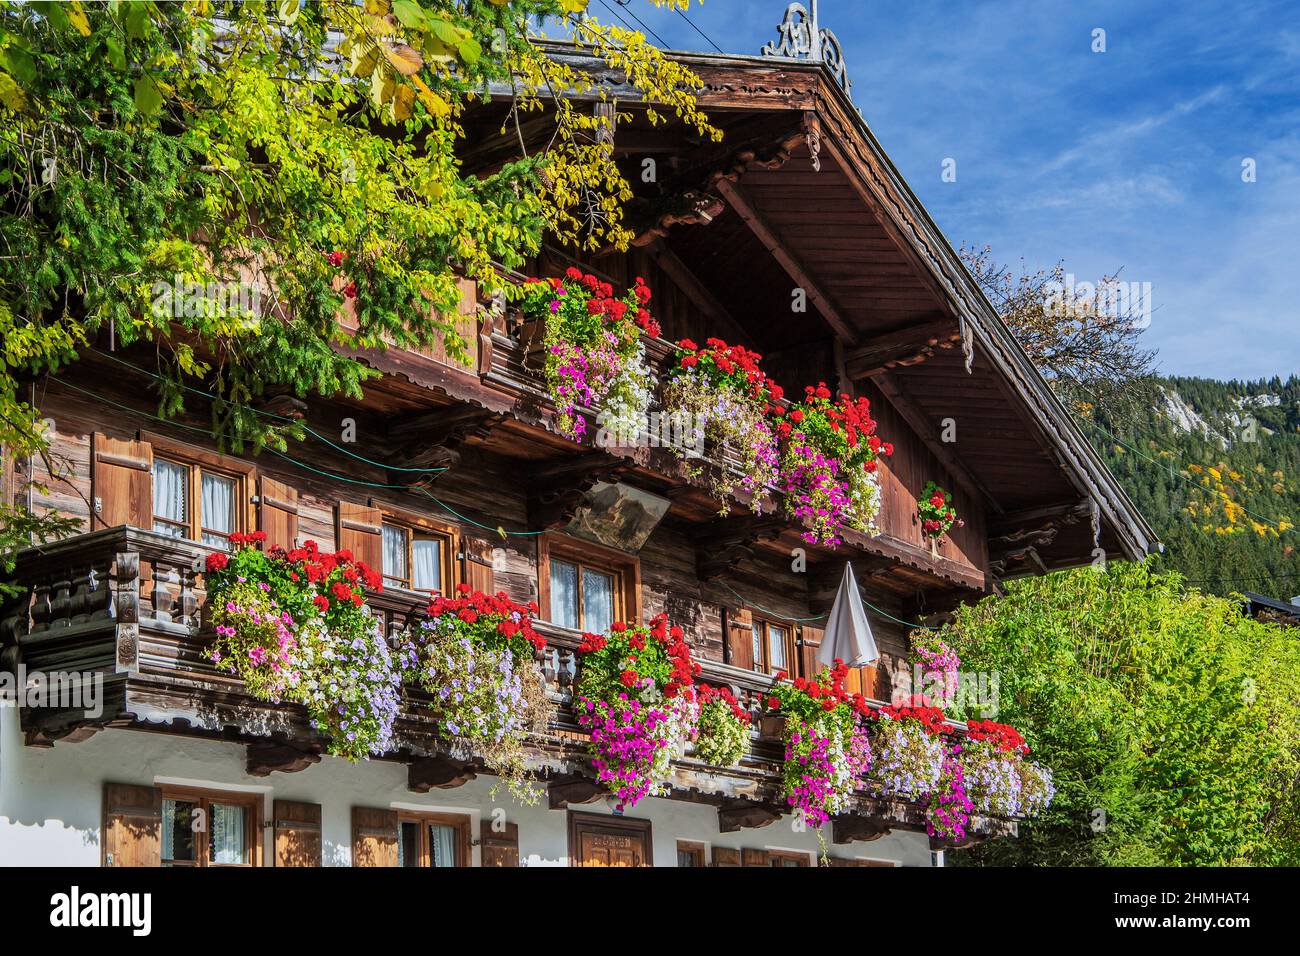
column 223, row 180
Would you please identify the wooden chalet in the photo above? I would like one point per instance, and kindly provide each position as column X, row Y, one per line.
column 797, row 195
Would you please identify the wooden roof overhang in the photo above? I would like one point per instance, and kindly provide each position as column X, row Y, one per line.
column 800, row 193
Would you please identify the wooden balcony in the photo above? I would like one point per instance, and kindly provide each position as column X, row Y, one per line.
column 124, row 605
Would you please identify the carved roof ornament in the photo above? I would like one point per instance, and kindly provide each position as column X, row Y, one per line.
column 801, row 38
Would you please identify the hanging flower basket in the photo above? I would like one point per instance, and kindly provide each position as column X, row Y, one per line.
column 830, row 454
column 936, row 514
column 594, row 357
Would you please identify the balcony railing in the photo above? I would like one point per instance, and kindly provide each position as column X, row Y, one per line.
column 127, row 603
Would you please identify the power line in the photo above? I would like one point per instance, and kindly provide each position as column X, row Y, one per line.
column 682, row 13
column 657, row 37
column 265, row 414
column 1176, row 474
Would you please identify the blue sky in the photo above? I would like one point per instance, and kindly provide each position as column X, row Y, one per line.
column 1129, row 159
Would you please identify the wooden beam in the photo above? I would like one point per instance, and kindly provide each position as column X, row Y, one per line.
column 741, row 814
column 924, row 429
column 901, row 347
column 267, row 756
column 1016, row 520
column 847, row 829
column 428, row 772
column 771, row 240
column 695, row 290
column 571, row 789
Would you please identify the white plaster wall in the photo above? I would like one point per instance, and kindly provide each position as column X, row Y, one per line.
column 51, row 802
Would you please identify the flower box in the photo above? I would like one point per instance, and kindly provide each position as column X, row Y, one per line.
column 771, row 726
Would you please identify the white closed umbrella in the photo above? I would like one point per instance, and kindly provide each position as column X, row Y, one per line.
column 848, row 633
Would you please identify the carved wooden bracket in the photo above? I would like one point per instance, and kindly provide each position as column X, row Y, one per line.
column 573, row 789
column 557, row 491
column 902, row 347
column 728, row 541
column 424, row 774
column 651, row 219
column 1018, row 537
column 847, row 829
column 267, row 756
column 742, row 814
column 432, row 439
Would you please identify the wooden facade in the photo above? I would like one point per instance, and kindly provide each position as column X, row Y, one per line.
column 798, row 195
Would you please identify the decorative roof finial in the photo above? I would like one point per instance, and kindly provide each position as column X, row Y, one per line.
column 802, row 38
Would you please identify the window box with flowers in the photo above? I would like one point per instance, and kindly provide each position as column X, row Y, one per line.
column 937, row 515
column 294, row 626
column 830, row 453
column 594, row 356
column 827, row 746
column 722, row 730
column 720, row 398
column 474, row 654
column 634, row 697
column 997, row 770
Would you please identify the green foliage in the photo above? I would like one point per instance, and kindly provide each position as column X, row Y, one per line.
column 156, row 156
column 1223, row 493
column 1170, row 721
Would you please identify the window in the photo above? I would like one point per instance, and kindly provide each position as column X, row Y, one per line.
column 198, row 495
column 690, row 853
column 586, row 587
column 416, row 559
column 432, row 839
column 201, row 828
column 582, row 598
column 773, row 646
column 786, row 858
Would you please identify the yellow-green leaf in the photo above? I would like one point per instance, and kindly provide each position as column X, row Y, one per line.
column 148, row 97
column 77, row 17
column 11, row 94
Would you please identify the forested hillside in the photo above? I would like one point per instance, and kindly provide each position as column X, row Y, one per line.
column 1215, row 467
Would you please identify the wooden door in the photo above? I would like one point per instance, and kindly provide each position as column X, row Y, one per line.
column 609, row 841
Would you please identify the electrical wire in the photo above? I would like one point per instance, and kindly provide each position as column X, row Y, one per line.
column 821, row 617
column 209, row 434
column 1177, row 474
column 265, row 414
column 657, row 37
column 682, row 13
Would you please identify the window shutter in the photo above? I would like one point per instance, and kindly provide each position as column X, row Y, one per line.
column 360, row 530
column 374, row 837
column 297, row 834
column 725, row 856
column 121, row 482
column 476, row 566
column 750, row 857
column 277, row 513
column 810, row 644
column 501, row 849
column 132, row 825
column 740, row 639
column 861, row 680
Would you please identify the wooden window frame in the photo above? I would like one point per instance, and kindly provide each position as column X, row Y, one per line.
column 697, row 850
column 764, row 666
column 197, row 460
column 578, row 822
column 626, row 569
column 775, row 857
column 414, row 523
column 458, row 821
column 252, row 804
